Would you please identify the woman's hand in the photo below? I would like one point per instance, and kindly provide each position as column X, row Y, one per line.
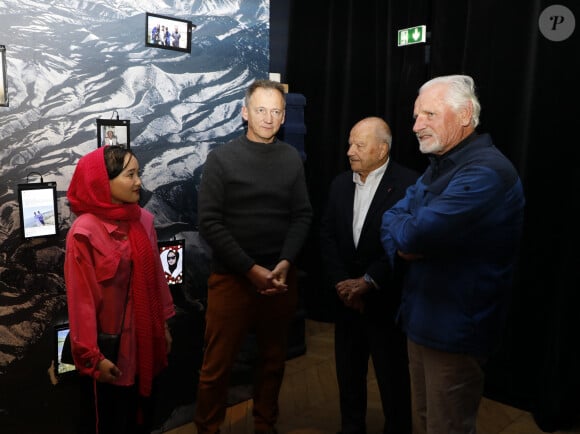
column 108, row 371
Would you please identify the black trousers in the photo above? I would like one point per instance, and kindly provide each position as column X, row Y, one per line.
column 115, row 409
column 358, row 337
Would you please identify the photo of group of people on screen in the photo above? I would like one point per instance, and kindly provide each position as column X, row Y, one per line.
column 162, row 35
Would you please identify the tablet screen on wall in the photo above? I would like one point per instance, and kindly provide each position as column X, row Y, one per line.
column 113, row 132
column 3, row 78
column 60, row 334
column 38, row 210
column 171, row 254
column 169, row 33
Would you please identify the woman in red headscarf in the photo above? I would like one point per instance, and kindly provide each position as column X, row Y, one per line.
column 115, row 284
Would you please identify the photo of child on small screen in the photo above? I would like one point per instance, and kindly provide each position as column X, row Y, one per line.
column 172, row 260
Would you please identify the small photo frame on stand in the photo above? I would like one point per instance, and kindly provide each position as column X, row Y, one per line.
column 113, row 132
column 3, row 78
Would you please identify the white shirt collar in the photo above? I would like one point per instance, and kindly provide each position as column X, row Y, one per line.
column 373, row 175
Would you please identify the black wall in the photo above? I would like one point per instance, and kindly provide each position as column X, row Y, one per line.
column 342, row 56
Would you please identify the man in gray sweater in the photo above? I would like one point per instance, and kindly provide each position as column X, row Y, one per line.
column 254, row 213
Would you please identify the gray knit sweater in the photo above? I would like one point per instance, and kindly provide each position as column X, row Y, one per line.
column 253, row 205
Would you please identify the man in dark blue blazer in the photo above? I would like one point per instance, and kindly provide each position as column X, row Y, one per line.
column 367, row 292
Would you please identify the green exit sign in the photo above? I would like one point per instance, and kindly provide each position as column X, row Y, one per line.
column 412, row 35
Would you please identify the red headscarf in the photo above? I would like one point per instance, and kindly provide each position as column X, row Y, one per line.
column 90, row 192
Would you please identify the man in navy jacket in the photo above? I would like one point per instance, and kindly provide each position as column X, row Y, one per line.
column 367, row 293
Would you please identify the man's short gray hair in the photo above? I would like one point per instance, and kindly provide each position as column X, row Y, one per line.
column 461, row 92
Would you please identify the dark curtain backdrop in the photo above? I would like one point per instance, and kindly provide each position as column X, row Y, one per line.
column 343, row 56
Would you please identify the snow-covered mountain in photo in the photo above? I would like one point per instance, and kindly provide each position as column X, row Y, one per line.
column 71, row 62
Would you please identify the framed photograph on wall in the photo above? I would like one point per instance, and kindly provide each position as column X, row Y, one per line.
column 3, row 78
column 171, row 254
column 169, row 33
column 113, row 132
column 38, row 210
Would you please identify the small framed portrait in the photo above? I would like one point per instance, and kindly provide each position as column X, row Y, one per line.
column 3, row 78
column 113, row 132
column 38, row 209
column 171, row 254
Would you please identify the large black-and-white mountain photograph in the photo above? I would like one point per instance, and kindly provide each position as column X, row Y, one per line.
column 69, row 63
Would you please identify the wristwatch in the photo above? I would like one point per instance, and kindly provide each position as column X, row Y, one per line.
column 368, row 279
